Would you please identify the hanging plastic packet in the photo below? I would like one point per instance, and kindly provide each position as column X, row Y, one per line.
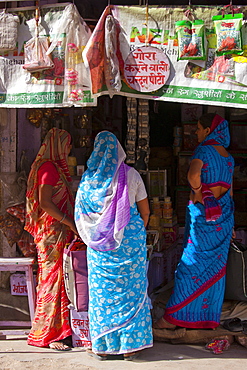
column 35, row 50
column 111, row 62
column 191, row 37
column 228, row 31
column 36, row 58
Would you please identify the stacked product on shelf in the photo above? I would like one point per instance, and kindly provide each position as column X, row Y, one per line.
column 164, row 220
column 169, row 224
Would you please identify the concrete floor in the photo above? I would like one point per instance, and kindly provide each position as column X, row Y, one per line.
column 15, row 354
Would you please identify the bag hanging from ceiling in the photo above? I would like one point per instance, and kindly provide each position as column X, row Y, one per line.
column 35, row 55
column 35, row 51
column 8, row 31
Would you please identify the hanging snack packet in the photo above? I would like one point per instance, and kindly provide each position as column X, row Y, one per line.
column 36, row 58
column 191, row 38
column 228, row 32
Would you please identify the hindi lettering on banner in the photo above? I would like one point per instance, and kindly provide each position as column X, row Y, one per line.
column 146, row 69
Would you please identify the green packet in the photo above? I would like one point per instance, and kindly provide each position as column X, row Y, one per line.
column 228, row 32
column 191, row 37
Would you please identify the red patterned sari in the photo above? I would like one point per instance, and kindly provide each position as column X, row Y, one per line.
column 51, row 321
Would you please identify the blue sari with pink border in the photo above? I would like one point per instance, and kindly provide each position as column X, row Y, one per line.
column 198, row 295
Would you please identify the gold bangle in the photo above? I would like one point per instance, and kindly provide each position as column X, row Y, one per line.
column 63, row 218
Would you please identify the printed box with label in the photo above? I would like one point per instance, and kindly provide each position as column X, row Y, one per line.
column 170, row 235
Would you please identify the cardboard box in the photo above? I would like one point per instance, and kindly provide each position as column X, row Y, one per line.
column 80, row 329
column 169, row 235
column 189, row 136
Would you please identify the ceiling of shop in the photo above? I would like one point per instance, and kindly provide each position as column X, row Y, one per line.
column 93, row 9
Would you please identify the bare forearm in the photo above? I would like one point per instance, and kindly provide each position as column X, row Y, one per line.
column 52, row 210
column 194, row 181
column 55, row 212
column 46, row 203
column 194, row 173
column 143, row 207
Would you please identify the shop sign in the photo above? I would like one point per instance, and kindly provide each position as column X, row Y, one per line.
column 219, row 80
column 146, row 69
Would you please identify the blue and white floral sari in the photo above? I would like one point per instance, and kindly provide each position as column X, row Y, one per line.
column 114, row 231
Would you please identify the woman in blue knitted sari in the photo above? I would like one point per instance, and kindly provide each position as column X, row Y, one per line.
column 111, row 213
column 199, row 285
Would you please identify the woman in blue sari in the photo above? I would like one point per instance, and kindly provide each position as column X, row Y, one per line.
column 111, row 214
column 199, row 285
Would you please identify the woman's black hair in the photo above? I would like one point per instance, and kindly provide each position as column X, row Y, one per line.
column 206, row 120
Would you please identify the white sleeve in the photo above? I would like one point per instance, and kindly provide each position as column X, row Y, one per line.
column 141, row 192
column 136, row 186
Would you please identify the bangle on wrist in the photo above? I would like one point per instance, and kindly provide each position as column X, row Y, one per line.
column 63, row 218
column 196, row 189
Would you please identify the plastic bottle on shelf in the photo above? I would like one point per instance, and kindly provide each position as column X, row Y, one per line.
column 154, row 222
column 157, row 210
column 167, row 208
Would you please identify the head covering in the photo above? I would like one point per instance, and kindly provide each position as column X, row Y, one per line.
column 55, row 148
column 102, row 207
column 219, row 133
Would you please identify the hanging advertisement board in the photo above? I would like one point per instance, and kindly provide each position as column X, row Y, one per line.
column 217, row 80
column 67, row 83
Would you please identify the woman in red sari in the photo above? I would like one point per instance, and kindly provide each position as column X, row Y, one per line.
column 50, row 209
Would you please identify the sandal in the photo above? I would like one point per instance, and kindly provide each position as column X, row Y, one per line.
column 95, row 355
column 130, row 357
column 234, row 324
column 59, row 346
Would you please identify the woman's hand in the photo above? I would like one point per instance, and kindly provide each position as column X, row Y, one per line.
column 196, row 197
column 71, row 224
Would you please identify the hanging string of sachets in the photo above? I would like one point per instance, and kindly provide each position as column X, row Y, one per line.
column 191, row 35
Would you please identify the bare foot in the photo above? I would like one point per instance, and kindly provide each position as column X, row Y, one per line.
column 59, row 346
column 163, row 324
